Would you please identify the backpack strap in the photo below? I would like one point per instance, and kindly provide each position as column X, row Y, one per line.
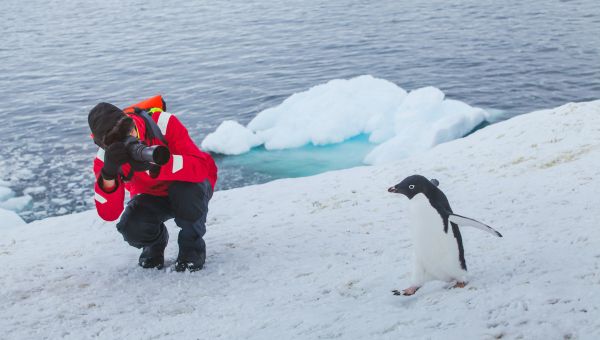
column 152, row 129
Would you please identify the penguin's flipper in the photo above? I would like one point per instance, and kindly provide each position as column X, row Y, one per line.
column 461, row 220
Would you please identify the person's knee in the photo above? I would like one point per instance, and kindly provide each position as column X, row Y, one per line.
column 138, row 233
column 189, row 201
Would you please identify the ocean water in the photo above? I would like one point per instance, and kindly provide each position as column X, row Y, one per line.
column 222, row 60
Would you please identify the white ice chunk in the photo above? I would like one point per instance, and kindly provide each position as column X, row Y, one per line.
column 6, row 193
column 34, row 190
column 231, row 138
column 16, row 203
column 9, row 219
column 328, row 113
column 402, row 123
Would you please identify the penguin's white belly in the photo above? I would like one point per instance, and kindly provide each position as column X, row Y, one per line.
column 434, row 250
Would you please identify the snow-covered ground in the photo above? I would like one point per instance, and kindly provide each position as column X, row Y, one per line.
column 317, row 257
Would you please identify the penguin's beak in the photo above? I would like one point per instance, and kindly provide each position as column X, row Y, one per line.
column 393, row 189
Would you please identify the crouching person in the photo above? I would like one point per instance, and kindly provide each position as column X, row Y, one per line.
column 180, row 187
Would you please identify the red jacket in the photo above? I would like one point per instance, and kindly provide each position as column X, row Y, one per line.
column 187, row 164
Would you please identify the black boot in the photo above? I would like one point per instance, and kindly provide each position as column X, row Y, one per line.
column 190, row 260
column 154, row 256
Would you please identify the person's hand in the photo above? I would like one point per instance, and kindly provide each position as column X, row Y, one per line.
column 115, row 155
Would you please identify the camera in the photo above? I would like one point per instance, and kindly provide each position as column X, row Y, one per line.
column 140, row 152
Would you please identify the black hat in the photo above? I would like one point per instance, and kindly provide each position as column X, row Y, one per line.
column 102, row 118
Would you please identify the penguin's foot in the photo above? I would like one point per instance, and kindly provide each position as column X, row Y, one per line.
column 406, row 292
column 460, row 284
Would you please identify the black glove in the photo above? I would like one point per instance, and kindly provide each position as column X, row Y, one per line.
column 115, row 155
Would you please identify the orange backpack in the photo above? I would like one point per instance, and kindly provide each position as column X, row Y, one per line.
column 151, row 105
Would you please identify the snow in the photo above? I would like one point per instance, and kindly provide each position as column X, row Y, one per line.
column 345, row 108
column 317, row 257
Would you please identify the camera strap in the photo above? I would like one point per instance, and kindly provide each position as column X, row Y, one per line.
column 152, row 129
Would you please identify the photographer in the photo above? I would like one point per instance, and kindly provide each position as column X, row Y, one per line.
column 177, row 183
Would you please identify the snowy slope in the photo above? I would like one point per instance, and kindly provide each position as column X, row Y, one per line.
column 317, row 257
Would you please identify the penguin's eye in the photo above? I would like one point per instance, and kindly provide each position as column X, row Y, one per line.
column 412, row 186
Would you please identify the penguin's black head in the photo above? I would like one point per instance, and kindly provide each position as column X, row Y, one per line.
column 412, row 185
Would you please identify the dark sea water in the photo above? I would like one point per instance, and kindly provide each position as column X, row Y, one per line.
column 217, row 60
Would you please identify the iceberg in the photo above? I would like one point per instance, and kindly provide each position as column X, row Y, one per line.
column 398, row 122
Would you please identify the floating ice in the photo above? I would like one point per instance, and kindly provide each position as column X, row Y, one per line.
column 401, row 123
column 16, row 203
column 9, row 205
column 6, row 193
column 35, row 190
column 9, row 219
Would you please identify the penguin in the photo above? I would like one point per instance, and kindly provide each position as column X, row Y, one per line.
column 438, row 252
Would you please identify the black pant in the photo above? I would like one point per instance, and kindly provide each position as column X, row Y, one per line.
column 142, row 223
